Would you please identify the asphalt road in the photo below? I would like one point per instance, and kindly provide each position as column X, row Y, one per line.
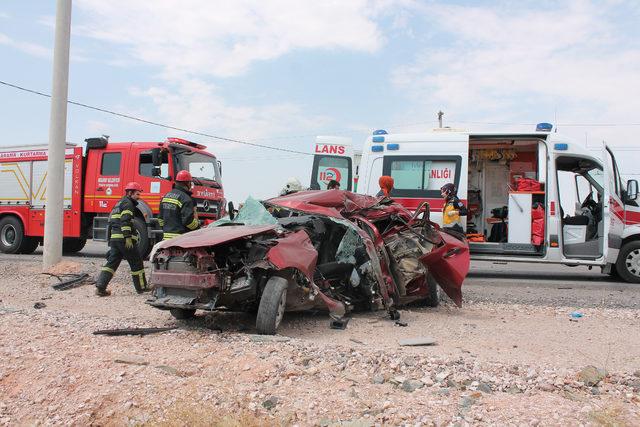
column 517, row 283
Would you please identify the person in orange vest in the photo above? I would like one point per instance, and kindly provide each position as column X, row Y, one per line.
column 386, row 186
column 123, row 242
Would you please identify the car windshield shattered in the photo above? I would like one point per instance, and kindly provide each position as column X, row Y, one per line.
column 332, row 250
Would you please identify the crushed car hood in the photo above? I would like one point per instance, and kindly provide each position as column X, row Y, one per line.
column 214, row 236
column 333, row 203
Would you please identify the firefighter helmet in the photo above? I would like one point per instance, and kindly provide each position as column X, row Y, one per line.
column 293, row 185
column 133, row 186
column 184, row 176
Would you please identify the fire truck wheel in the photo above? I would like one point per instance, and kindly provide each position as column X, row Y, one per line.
column 29, row 245
column 433, row 295
column 144, row 244
column 272, row 305
column 11, row 235
column 628, row 264
column 72, row 245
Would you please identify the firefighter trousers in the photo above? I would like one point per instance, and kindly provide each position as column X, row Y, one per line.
column 117, row 251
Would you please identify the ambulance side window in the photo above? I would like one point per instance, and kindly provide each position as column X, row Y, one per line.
column 110, row 164
column 422, row 176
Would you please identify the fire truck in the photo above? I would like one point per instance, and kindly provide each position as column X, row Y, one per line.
column 94, row 180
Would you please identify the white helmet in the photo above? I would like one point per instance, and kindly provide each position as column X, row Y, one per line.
column 293, row 185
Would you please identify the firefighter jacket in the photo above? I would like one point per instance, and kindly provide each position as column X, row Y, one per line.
column 453, row 204
column 177, row 213
column 121, row 219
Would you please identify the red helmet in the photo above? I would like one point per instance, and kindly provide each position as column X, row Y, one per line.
column 184, row 176
column 133, row 186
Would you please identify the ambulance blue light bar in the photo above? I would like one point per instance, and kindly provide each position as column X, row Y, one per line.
column 393, row 146
column 544, row 127
column 561, row 147
column 377, row 148
column 378, row 139
column 380, row 132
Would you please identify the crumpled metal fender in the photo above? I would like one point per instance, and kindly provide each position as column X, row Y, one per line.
column 449, row 265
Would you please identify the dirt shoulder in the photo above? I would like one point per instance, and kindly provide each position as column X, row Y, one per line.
column 493, row 363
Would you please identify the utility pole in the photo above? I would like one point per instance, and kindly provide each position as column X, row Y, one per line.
column 53, row 221
column 440, row 114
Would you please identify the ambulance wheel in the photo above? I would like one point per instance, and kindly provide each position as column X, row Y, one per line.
column 628, row 264
column 272, row 305
column 11, row 235
column 72, row 245
column 144, row 244
column 29, row 245
column 433, row 293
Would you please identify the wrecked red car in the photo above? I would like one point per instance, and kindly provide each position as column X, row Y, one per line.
column 334, row 250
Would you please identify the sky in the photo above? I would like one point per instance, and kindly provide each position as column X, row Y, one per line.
column 281, row 72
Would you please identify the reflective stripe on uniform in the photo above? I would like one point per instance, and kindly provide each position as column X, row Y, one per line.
column 108, row 270
column 167, row 236
column 193, row 224
column 126, row 211
column 125, row 228
column 116, row 216
column 138, row 273
column 160, row 222
column 170, row 200
column 117, row 236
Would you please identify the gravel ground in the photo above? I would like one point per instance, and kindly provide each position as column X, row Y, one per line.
column 503, row 360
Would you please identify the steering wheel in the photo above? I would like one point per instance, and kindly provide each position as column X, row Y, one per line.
column 591, row 204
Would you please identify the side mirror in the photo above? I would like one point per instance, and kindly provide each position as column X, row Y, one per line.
column 230, row 209
column 632, row 189
column 219, row 166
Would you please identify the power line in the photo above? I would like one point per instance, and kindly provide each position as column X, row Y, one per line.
column 149, row 122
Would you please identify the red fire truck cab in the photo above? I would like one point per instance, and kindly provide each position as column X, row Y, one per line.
column 94, row 182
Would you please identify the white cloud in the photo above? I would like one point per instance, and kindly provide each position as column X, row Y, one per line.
column 26, row 47
column 201, row 37
column 497, row 64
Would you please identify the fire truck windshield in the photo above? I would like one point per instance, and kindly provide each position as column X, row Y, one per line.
column 201, row 166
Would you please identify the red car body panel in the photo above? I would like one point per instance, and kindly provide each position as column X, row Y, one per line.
column 294, row 251
column 214, row 236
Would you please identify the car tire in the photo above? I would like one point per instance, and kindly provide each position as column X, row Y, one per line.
column 182, row 313
column 11, row 235
column 29, row 245
column 628, row 263
column 272, row 306
column 144, row 244
column 71, row 245
column 433, row 293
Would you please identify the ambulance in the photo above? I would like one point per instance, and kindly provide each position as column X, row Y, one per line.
column 531, row 197
column 335, row 159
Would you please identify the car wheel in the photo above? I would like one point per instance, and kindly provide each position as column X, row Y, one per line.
column 628, row 263
column 433, row 293
column 272, row 305
column 11, row 235
column 182, row 313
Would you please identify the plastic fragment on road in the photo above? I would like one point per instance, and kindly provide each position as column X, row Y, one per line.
column 576, row 315
column 414, row 342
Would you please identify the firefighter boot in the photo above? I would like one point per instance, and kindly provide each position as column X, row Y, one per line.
column 139, row 281
column 102, row 281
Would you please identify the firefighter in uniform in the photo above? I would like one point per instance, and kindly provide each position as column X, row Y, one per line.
column 177, row 209
column 454, row 210
column 123, row 242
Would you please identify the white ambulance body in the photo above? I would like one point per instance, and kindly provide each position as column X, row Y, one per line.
column 334, row 159
column 596, row 227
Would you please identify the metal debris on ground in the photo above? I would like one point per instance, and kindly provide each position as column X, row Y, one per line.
column 417, row 341
column 39, row 305
column 403, row 324
column 132, row 331
column 69, row 281
column 339, row 324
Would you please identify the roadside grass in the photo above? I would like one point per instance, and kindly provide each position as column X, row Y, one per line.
column 608, row 417
column 201, row 415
